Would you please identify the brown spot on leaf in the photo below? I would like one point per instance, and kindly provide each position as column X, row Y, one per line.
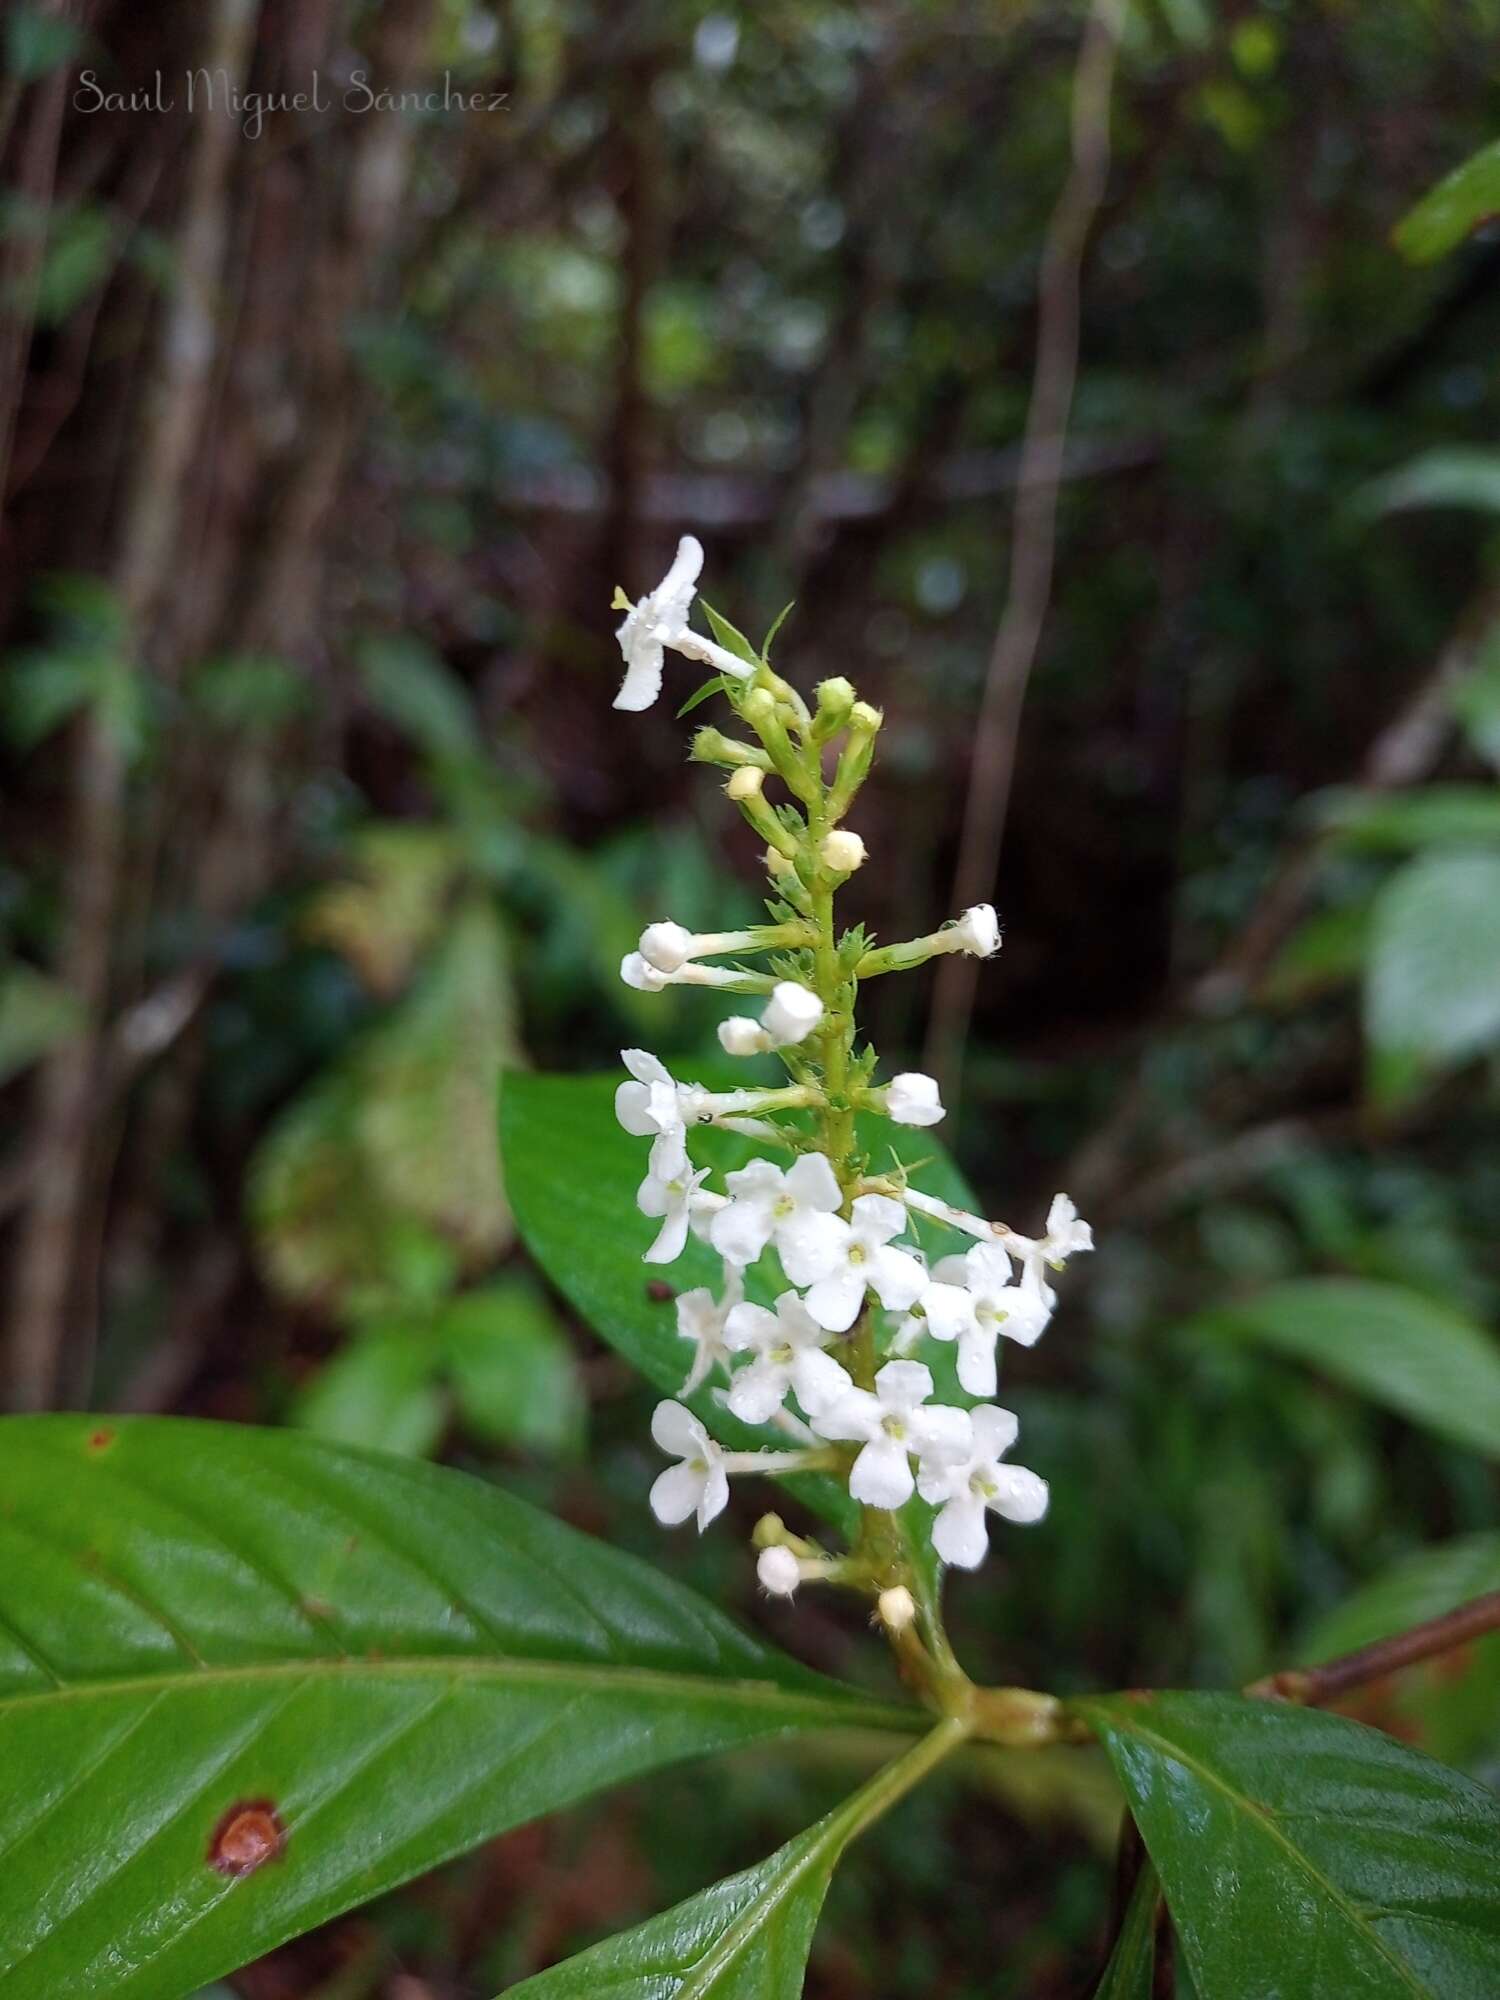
column 248, row 1836
column 658, row 1291
column 101, row 1440
column 316, row 1608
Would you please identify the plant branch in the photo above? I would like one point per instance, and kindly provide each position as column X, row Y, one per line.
column 1311, row 1687
column 1034, row 532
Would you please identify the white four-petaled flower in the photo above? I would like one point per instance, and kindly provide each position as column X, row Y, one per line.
column 796, row 1207
column 894, row 1423
column 912, row 1099
column 788, row 1348
column 654, row 1106
column 698, row 1484
column 659, row 620
column 964, row 1488
column 840, row 1260
column 700, row 1319
column 978, row 931
column 978, row 1310
column 671, row 1202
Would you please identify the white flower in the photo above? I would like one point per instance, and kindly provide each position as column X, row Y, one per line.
column 980, row 1309
column 671, row 1200
column 779, row 1572
column 699, row 1484
column 978, row 931
column 660, row 619
column 700, row 1319
column 655, row 1106
column 666, row 946
column 798, row 1207
column 842, row 851
column 912, row 1099
column 788, row 1349
column 1066, row 1233
column 963, row 1489
column 893, row 1423
column 792, row 1013
column 897, row 1608
column 840, row 1259
column 740, row 1036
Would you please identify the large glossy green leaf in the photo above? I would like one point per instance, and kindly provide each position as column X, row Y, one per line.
column 1420, row 1586
column 1398, row 1347
column 1432, row 991
column 1304, row 1856
column 400, row 1661
column 1446, row 213
column 1131, row 1972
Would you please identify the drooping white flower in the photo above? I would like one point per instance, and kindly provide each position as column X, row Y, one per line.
column 1066, row 1233
column 778, row 1572
column 637, row 970
column 965, row 1488
column 660, row 619
column 700, row 1319
column 912, row 1099
column 740, row 1036
column 894, row 1423
column 792, row 1013
column 798, row 1207
column 788, row 1348
column 978, row 931
column 671, row 1201
column 655, row 1106
column 698, row 1484
column 840, row 1260
column 979, row 1310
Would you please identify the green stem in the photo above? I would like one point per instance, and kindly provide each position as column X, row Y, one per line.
column 897, row 1778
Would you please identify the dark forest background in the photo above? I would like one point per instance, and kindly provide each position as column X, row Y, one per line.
column 325, row 436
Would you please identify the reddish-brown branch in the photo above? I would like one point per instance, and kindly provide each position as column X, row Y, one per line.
column 1310, row 1687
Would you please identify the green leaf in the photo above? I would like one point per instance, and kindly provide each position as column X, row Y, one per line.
column 380, row 1393
column 1432, row 992
column 729, row 636
column 1437, row 815
column 746, row 1938
column 1327, row 950
column 1456, row 475
column 421, row 696
column 1305, row 1855
column 1420, row 1586
column 399, row 1660
column 1131, row 1972
column 1400, row 1348
column 387, row 912
column 36, row 1013
column 716, row 684
column 512, row 1367
column 1448, row 213
column 776, row 624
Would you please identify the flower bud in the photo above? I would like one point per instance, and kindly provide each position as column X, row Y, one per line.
column 897, row 1608
column 865, row 718
column 758, row 707
column 740, row 1036
column 978, row 931
column 792, row 1013
column 636, row 972
column 842, row 851
column 747, row 783
column 667, row 946
column 778, row 1571
column 712, row 746
column 912, row 1099
column 835, row 700
column 777, row 863
column 769, row 1532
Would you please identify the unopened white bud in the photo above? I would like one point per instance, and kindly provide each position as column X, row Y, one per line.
column 896, row 1607
column 778, row 863
column 778, row 1571
column 740, row 1036
column 792, row 1014
column 645, row 978
column 842, row 851
column 912, row 1099
column 667, row 946
column 748, row 782
column 978, row 931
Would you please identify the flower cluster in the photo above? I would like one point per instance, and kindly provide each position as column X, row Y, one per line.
column 825, row 1356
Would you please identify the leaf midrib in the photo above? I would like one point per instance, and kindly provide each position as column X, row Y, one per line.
column 584, row 1677
column 1260, row 1817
